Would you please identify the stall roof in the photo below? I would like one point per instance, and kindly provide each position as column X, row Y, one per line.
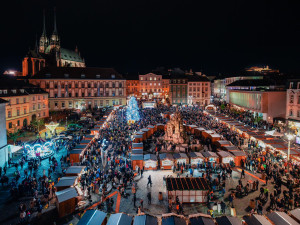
column 228, row 220
column 224, row 142
column 92, row 217
column 192, row 126
column 119, row 219
column 75, row 169
column 256, row 219
column 137, row 157
column 145, row 220
column 209, row 154
column 196, row 155
column 215, row 135
column 187, row 183
column 179, row 155
column 150, row 126
column 166, row 156
column 238, row 153
column 66, row 194
column 140, row 133
column 137, row 145
column 80, row 146
column 228, row 148
column 150, row 157
column 89, row 136
column 84, row 142
column 200, row 128
column 66, row 181
column 201, row 220
column 296, row 214
column 137, row 151
column 173, row 220
column 76, row 151
column 281, row 218
column 145, row 129
column 138, row 136
column 224, row 154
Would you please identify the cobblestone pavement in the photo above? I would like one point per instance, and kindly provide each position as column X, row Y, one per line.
column 9, row 206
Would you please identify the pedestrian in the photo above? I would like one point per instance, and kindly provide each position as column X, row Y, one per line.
column 142, row 203
column 149, row 198
column 223, row 207
column 243, row 174
column 149, row 181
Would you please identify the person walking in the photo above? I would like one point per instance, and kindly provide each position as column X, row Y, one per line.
column 149, row 198
column 149, row 181
column 142, row 203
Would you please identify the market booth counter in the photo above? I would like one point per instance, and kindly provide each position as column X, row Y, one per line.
column 255, row 219
column 225, row 157
column 239, row 156
column 150, row 162
column 137, row 138
column 93, row 217
column 196, row 158
column 180, row 159
column 211, row 157
column 74, row 171
column 66, row 201
column 145, row 220
column 214, row 137
column 137, row 145
column 137, row 160
column 119, row 219
column 76, row 154
column 188, row 189
column 166, row 161
column 200, row 218
column 281, row 218
column 66, row 182
column 173, row 219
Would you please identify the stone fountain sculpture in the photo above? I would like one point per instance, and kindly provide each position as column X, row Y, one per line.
column 175, row 131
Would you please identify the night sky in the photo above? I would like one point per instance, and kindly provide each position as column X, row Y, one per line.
column 139, row 35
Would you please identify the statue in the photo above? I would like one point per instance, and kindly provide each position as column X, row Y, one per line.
column 175, row 131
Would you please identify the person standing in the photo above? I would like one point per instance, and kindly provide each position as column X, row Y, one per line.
column 149, row 181
column 149, row 198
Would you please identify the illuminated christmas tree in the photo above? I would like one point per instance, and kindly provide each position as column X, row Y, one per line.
column 132, row 112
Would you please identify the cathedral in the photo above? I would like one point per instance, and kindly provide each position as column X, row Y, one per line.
column 48, row 52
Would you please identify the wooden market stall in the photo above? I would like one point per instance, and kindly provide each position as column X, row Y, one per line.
column 137, row 160
column 230, row 148
column 180, row 159
column 145, row 220
column 160, row 126
column 211, row 157
column 150, row 162
column 143, row 134
column 214, row 137
column 76, row 155
column 200, row 218
column 198, row 131
column 137, row 151
column 239, row 156
column 228, row 220
column 89, row 137
column 191, row 128
column 147, row 131
column 66, row 182
column 137, row 138
column 205, row 134
column 295, row 214
column 85, row 142
column 281, row 218
column 196, row 158
column 92, row 217
column 119, row 219
column 173, row 219
column 222, row 143
column 255, row 219
column 188, row 189
column 152, row 129
column 166, row 161
column 66, row 201
column 95, row 131
column 139, row 145
column 74, row 171
column 225, row 157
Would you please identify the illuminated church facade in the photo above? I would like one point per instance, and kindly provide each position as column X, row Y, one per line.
column 48, row 52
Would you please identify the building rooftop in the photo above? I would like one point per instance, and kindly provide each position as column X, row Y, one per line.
column 256, row 82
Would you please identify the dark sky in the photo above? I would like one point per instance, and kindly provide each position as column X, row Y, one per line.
column 139, row 35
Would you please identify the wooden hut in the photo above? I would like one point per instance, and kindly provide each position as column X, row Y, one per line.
column 172, row 219
column 160, row 126
column 205, row 134
column 214, row 137
column 137, row 151
column 281, row 218
column 74, row 171
column 143, row 134
column 137, row 138
column 119, row 219
column 188, row 189
column 230, row 148
column 89, row 137
column 92, row 217
column 150, row 162
column 145, row 220
column 239, row 156
column 295, row 214
column 95, row 131
column 166, row 161
column 180, row 159
column 139, row 145
column 66, row 182
column 222, row 143
column 66, row 201
column 255, row 219
column 196, row 158
column 137, row 160
column 198, row 131
column 199, row 218
column 76, row 154
column 192, row 128
column 147, row 131
column 211, row 157
column 85, row 142
column 228, row 220
column 152, row 129
column 225, row 157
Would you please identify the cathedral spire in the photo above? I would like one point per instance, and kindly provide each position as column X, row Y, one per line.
column 44, row 24
column 55, row 28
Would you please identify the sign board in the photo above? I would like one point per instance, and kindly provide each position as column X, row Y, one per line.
column 150, row 163
column 149, row 105
column 227, row 160
column 195, row 161
column 167, row 162
column 181, row 161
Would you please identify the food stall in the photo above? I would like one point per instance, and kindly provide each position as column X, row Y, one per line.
column 180, row 159
column 196, row 158
column 166, row 161
column 225, row 157
column 74, row 171
column 188, row 189
column 239, row 156
column 152, row 129
column 85, row 142
column 214, row 137
column 66, row 201
column 139, row 145
column 192, row 128
column 231, row 148
column 198, row 131
column 137, row 151
column 137, row 160
column 137, row 138
column 145, row 220
column 295, row 214
column 119, row 219
column 150, row 162
column 66, row 182
column 93, row 217
column 76, row 155
column 205, row 134
column 143, row 134
column 211, row 157
column 200, row 218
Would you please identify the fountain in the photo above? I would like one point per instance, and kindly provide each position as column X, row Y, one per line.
column 175, row 131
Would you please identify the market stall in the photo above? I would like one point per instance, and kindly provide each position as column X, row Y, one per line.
column 66, row 182
column 181, row 159
column 222, row 143
column 160, row 126
column 173, row 219
column 89, row 137
column 200, row 218
column 214, row 137
column 196, row 158
column 139, row 145
column 205, row 134
column 74, row 171
column 295, row 214
column 119, row 219
column 147, row 131
column 228, row 220
column 281, row 218
column 150, row 162
column 145, row 220
column 231, row 148
column 66, row 201
column 225, row 157
column 85, row 142
column 239, row 156
column 137, row 160
column 93, row 217
column 198, row 131
column 152, row 129
column 211, row 157
column 192, row 128
column 143, row 134
column 76, row 155
column 255, row 219
column 166, row 161
column 136, row 151
column 137, row 138
column 188, row 189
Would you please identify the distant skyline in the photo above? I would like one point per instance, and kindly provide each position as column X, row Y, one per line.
column 138, row 36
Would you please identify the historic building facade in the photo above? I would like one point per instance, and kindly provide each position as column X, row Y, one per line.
column 151, row 86
column 133, row 86
column 178, row 90
column 3, row 135
column 293, row 105
column 48, row 52
column 81, row 88
column 198, row 90
column 25, row 102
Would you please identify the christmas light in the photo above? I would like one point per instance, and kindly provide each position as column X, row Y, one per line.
column 132, row 111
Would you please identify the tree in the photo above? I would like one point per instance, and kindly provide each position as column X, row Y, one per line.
column 37, row 123
column 132, row 111
column 15, row 135
column 222, row 107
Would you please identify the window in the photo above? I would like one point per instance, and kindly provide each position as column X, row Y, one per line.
column 95, row 85
column 150, row 78
column 44, row 114
column 113, row 85
column 39, row 106
column 18, row 123
column 113, row 93
column 291, row 85
column 70, row 95
column 89, row 94
column 39, row 115
column 107, row 102
column 113, row 76
column 298, row 113
column 44, row 97
column 120, row 92
column 120, row 85
column 33, row 106
column 76, row 95
column 10, row 125
column 9, row 114
column 44, row 106
column 298, row 85
column 106, row 85
column 76, row 85
column 120, row 101
column 70, row 85
column 101, row 102
column 24, row 100
column 82, row 94
column 298, row 99
column 70, row 104
column 47, row 86
column 25, row 111
column 55, row 86
column 291, row 112
column 291, row 99
column 62, row 86
column 63, row 105
column 89, row 85
column 18, row 112
column 17, row 101
column 4, row 91
column 62, row 95
column 55, row 95
column 55, row 104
